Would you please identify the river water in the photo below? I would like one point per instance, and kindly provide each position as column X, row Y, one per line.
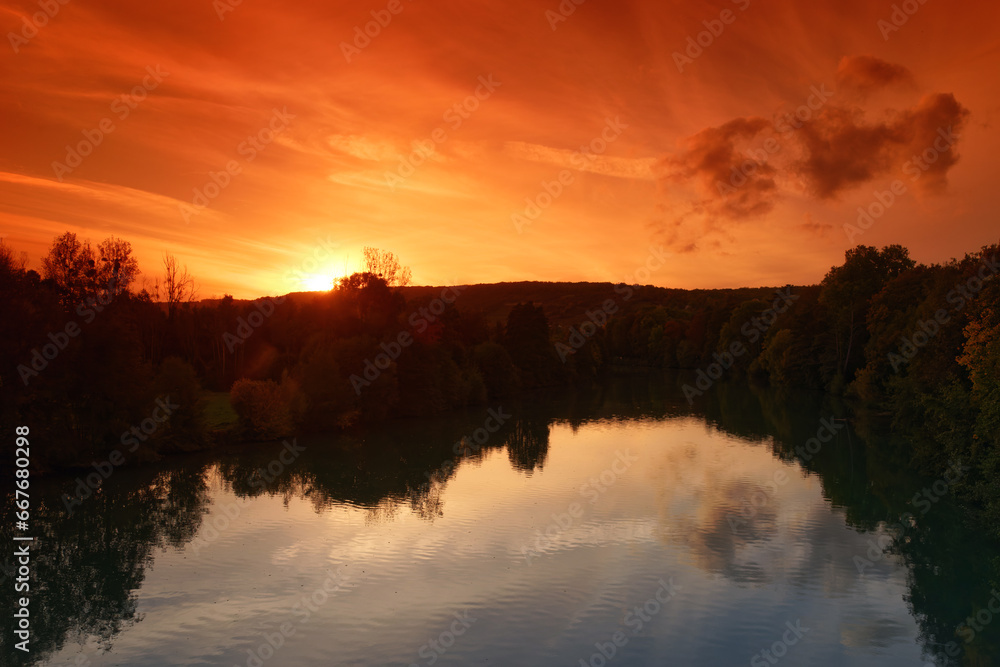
column 613, row 526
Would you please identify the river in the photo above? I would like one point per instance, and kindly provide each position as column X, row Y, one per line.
column 613, row 526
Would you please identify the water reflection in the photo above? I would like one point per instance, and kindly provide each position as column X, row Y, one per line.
column 88, row 566
column 724, row 507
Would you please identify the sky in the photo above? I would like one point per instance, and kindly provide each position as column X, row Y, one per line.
column 265, row 144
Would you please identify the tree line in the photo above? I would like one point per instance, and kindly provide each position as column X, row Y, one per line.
column 87, row 353
column 917, row 345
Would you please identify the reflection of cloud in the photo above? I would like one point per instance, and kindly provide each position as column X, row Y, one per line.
column 728, row 507
column 594, row 534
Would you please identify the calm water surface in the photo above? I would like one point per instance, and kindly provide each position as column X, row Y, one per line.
column 616, row 526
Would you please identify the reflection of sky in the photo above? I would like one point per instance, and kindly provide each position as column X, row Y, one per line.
column 405, row 576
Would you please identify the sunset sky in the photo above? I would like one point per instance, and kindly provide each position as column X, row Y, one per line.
column 330, row 123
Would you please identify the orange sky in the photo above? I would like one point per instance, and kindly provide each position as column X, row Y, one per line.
column 322, row 173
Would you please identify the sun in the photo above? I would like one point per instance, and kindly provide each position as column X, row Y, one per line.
column 319, row 282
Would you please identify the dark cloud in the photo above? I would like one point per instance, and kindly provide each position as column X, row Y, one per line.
column 866, row 74
column 839, row 147
column 842, row 151
column 936, row 125
column 737, row 183
column 812, row 227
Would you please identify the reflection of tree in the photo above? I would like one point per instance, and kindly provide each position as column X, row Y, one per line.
column 404, row 463
column 528, row 443
column 863, row 472
column 86, row 567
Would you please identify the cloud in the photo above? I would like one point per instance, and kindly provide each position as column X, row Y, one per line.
column 737, row 183
column 740, row 170
column 361, row 147
column 606, row 165
column 866, row 74
column 812, row 227
column 844, row 152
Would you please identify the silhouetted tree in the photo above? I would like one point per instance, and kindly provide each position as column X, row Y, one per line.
column 71, row 267
column 178, row 284
column 386, row 266
column 116, row 267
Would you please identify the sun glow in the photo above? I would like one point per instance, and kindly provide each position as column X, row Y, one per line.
column 318, row 282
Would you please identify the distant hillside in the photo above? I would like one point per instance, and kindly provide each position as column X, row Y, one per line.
column 565, row 304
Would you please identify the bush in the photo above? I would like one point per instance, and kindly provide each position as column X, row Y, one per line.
column 266, row 409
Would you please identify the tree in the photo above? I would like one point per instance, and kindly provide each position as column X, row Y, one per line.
column 116, row 267
column 11, row 263
column 370, row 300
column 847, row 291
column 981, row 357
column 386, row 266
column 179, row 285
column 70, row 265
column 527, row 341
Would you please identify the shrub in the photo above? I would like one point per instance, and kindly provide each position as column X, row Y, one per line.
column 266, row 409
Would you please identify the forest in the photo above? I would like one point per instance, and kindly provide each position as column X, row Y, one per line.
column 94, row 363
